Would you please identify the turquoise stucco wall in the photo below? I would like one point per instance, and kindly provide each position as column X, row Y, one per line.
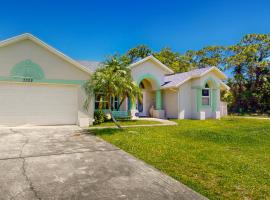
column 214, row 88
column 157, row 85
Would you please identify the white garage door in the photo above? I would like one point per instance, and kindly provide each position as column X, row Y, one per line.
column 32, row 104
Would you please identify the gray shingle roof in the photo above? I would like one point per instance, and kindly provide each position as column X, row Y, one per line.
column 176, row 79
column 173, row 80
column 91, row 65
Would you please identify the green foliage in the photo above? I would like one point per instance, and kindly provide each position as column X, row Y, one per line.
column 138, row 52
column 173, row 60
column 112, row 80
column 221, row 159
column 209, row 56
column 249, row 62
column 99, row 117
column 227, row 96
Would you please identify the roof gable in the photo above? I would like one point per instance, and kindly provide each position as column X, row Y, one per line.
column 154, row 60
column 91, row 65
column 49, row 48
column 175, row 80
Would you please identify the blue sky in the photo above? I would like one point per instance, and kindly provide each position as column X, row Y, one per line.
column 91, row 30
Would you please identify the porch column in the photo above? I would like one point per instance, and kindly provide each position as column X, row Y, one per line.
column 198, row 99
column 158, row 100
column 214, row 99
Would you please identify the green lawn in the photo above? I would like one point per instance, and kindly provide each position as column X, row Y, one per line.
column 128, row 122
column 251, row 115
column 221, row 159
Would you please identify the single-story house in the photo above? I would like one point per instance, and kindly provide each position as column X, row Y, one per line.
column 39, row 85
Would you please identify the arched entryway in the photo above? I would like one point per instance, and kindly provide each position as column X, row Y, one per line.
column 151, row 97
column 148, row 98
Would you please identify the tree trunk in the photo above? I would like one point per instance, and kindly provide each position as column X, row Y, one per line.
column 114, row 120
column 121, row 102
column 110, row 111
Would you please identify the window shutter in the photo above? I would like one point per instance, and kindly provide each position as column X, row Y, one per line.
column 199, row 99
column 214, row 100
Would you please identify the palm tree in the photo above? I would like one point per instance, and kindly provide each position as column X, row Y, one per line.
column 112, row 80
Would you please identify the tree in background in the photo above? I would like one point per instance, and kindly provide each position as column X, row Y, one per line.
column 209, row 56
column 236, row 61
column 249, row 61
column 175, row 61
column 138, row 52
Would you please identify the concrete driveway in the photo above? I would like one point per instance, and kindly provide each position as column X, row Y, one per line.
column 65, row 163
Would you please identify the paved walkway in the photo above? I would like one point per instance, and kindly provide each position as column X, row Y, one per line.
column 267, row 118
column 67, row 163
column 161, row 122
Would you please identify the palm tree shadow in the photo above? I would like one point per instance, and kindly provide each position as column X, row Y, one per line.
column 107, row 131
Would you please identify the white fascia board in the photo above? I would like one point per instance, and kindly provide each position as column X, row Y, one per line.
column 46, row 46
column 154, row 60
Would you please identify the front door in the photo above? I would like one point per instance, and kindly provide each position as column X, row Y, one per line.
column 141, row 105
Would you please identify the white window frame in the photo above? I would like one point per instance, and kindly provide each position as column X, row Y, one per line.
column 206, row 97
column 97, row 100
column 113, row 101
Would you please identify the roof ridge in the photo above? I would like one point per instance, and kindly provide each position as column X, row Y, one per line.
column 190, row 71
column 174, row 80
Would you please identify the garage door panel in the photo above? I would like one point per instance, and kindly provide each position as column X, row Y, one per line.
column 38, row 104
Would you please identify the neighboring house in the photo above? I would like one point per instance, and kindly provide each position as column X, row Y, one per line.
column 41, row 86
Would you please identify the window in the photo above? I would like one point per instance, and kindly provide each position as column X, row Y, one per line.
column 101, row 103
column 115, row 103
column 206, row 95
column 28, row 79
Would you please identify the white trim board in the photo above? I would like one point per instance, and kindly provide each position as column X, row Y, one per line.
column 152, row 58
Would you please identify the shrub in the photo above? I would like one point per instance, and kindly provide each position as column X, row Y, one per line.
column 99, row 117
